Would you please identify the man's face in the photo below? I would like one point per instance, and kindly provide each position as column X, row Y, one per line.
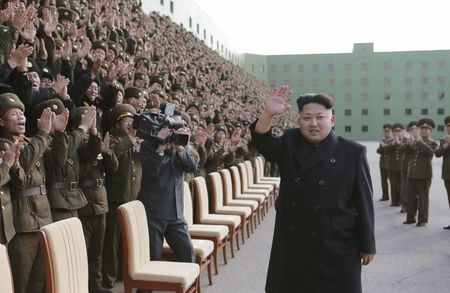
column 46, row 82
column 387, row 133
column 98, row 54
column 140, row 83
column 219, row 136
column 398, row 133
column 125, row 125
column 92, row 91
column 315, row 122
column 119, row 99
column 133, row 102
column 13, row 121
column 35, row 80
column 425, row 132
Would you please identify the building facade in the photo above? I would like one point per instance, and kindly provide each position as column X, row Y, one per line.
column 370, row 88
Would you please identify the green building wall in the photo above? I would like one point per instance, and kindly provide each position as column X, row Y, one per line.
column 370, row 88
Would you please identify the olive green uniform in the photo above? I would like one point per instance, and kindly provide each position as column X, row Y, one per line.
column 7, row 230
column 384, row 169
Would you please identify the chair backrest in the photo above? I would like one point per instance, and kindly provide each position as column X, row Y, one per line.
column 6, row 285
column 217, row 191
column 259, row 168
column 136, row 243
column 249, row 167
column 227, row 186
column 201, row 198
column 65, row 257
column 187, row 206
column 244, row 176
column 236, row 177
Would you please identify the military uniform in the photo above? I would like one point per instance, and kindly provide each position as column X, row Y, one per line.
column 384, row 165
column 394, row 151
column 444, row 151
column 122, row 186
column 7, row 230
column 419, row 176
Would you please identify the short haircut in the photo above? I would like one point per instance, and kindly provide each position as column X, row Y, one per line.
column 322, row 99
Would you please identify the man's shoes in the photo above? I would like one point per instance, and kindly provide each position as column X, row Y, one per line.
column 384, row 199
column 421, row 224
column 447, row 228
column 409, row 222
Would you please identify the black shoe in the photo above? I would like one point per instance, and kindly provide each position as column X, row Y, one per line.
column 421, row 224
column 409, row 222
column 447, row 228
column 384, row 199
column 403, row 211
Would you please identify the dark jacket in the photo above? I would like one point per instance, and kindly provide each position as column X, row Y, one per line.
column 421, row 153
column 445, row 154
column 325, row 214
column 162, row 180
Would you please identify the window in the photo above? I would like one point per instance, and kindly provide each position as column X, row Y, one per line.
column 221, row 48
column 190, row 22
column 301, row 68
column 348, row 97
column 440, row 128
column 171, row 6
column 348, row 82
column 204, row 34
column 364, row 66
column 287, row 82
column 348, row 128
column 408, row 96
column 424, row 96
column 315, row 82
column 273, row 68
column 332, row 82
column 273, row 83
column 364, row 128
column 212, row 40
column 300, row 83
column 364, row 112
column 364, row 81
column 251, row 67
column 387, row 96
column 348, row 112
column 315, row 67
column 440, row 111
column 408, row 65
column 424, row 80
column 162, row 2
column 441, row 95
column 198, row 31
column 386, row 112
column 442, row 64
column 387, row 65
column 331, row 67
column 216, row 43
column 424, row 65
column 364, row 96
column 261, row 68
column 441, row 79
column 424, row 111
column 348, row 67
column 387, row 81
column 287, row 68
column 408, row 80
column 408, row 111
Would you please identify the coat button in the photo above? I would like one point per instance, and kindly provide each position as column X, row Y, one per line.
column 321, row 182
column 3, row 207
column 332, row 160
column 70, row 161
column 297, row 180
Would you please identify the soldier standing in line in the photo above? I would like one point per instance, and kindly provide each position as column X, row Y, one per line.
column 96, row 158
column 387, row 130
column 121, row 186
column 420, row 173
column 413, row 131
column 31, row 209
column 444, row 151
column 394, row 149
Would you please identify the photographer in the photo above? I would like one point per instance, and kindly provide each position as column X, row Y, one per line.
column 163, row 167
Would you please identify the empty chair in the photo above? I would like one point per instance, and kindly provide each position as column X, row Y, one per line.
column 139, row 271
column 218, row 234
column 238, row 194
column 247, row 189
column 253, row 184
column 65, row 257
column 259, row 174
column 228, row 199
column 219, row 208
column 6, row 284
column 204, row 217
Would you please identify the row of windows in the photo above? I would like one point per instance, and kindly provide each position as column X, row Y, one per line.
column 409, row 65
column 365, row 128
column 387, row 112
column 364, row 81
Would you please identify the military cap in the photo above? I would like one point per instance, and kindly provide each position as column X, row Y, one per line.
column 4, row 29
column 186, row 118
column 447, row 121
column 387, row 126
column 144, row 60
column 63, row 3
column 55, row 105
column 176, row 97
column 113, row 47
column 121, row 111
column 194, row 105
column 139, row 75
column 160, row 93
column 412, row 124
column 10, row 101
column 221, row 127
column 184, row 101
column 202, row 123
column 132, row 92
column 238, row 124
column 157, row 79
column 59, row 43
column 123, row 43
column 397, row 126
column 78, row 113
column 47, row 73
column 32, row 66
column 99, row 44
column 76, row 7
column 177, row 87
column 245, row 123
column 230, row 128
column 184, row 73
column 61, row 31
column 194, row 117
column 118, row 86
column 427, row 122
column 67, row 14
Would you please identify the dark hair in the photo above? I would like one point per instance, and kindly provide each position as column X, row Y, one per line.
column 322, row 99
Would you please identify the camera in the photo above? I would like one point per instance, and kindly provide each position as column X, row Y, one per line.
column 148, row 124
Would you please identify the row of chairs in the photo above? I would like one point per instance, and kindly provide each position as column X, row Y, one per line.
column 238, row 201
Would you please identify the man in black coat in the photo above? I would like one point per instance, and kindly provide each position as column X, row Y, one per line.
column 324, row 226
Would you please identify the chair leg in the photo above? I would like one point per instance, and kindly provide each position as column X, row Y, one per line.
column 209, row 271
column 215, row 252
column 248, row 224
column 224, row 248
column 232, row 241
column 237, row 236
column 243, row 232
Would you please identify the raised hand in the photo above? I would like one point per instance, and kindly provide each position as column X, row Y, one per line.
column 278, row 102
column 105, row 143
column 49, row 20
column 44, row 123
column 8, row 156
column 42, row 50
column 88, row 118
column 19, row 55
column 29, row 31
column 85, row 48
column 18, row 18
column 60, row 121
column 60, row 85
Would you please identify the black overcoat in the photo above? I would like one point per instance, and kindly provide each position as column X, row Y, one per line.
column 325, row 214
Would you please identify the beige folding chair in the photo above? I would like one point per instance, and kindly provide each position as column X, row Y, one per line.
column 259, row 174
column 219, row 208
column 204, row 217
column 6, row 283
column 253, row 184
column 218, row 234
column 228, row 199
column 238, row 194
column 139, row 271
column 65, row 257
column 248, row 189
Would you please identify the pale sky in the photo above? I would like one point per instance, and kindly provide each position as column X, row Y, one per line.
column 332, row 26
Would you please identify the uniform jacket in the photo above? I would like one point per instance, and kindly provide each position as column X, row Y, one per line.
column 395, row 155
column 420, row 156
column 445, row 154
column 7, row 230
column 162, row 180
column 383, row 155
column 93, row 165
column 124, row 184
column 325, row 214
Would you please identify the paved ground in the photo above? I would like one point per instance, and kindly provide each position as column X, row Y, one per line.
column 410, row 259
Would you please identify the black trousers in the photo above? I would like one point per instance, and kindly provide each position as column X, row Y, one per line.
column 177, row 236
column 418, row 199
column 384, row 183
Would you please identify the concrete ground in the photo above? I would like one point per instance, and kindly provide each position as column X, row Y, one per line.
column 410, row 259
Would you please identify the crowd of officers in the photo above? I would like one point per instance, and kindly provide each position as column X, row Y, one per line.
column 406, row 166
column 73, row 75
